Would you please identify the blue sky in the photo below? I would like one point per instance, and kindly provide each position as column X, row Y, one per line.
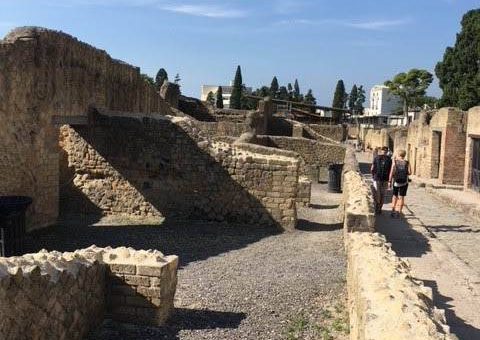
column 317, row 41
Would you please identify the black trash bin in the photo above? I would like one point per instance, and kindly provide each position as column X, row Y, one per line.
column 335, row 178
column 12, row 224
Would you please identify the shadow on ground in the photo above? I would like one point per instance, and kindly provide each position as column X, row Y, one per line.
column 457, row 325
column 190, row 240
column 306, row 225
column 182, row 319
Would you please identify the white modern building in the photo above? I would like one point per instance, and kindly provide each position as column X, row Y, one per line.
column 383, row 102
column 226, row 92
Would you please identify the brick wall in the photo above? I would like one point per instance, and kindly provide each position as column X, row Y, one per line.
column 46, row 73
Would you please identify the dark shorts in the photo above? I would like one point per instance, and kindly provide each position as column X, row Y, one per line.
column 400, row 191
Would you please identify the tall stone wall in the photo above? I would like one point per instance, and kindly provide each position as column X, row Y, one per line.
column 373, row 138
column 45, row 73
column 384, row 301
column 52, row 295
column 473, row 131
column 169, row 168
column 335, row 132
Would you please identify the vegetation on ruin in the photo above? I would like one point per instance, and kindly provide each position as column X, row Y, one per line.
column 211, row 98
column 236, row 97
column 340, row 96
column 459, row 71
column 356, row 99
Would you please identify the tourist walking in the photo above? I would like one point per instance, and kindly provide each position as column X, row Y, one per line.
column 399, row 177
column 381, row 171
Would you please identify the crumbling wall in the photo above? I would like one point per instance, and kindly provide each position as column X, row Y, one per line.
column 52, row 295
column 384, row 301
column 168, row 167
column 373, row 138
column 45, row 73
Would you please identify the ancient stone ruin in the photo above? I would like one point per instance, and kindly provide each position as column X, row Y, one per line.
column 85, row 135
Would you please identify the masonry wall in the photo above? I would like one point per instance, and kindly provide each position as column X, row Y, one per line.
column 335, row 132
column 169, row 168
column 45, row 73
column 52, row 295
column 473, row 131
column 315, row 155
column 381, row 291
column 373, row 138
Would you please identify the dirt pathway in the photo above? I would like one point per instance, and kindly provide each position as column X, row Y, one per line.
column 442, row 245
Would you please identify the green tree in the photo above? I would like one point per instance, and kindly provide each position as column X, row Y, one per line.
column 361, row 98
column 161, row 77
column 177, row 79
column 219, row 98
column 283, row 93
column 459, row 71
column 147, row 79
column 274, row 87
column 339, row 98
column 210, row 98
column 296, row 90
column 264, row 91
column 410, row 86
column 352, row 98
column 309, row 98
column 237, row 89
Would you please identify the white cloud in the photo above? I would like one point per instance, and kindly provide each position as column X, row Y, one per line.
column 373, row 25
column 205, row 11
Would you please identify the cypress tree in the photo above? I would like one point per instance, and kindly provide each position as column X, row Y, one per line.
column 219, row 98
column 309, row 98
column 352, row 98
column 236, row 97
column 459, row 71
column 274, row 87
column 296, row 90
column 339, row 96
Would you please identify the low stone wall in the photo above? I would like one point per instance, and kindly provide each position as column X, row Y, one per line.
column 52, row 295
column 315, row 155
column 384, row 301
column 304, row 192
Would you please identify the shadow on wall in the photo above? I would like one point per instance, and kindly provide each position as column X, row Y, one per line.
column 154, row 168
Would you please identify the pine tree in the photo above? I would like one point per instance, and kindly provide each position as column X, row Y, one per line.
column 177, row 79
column 339, row 97
column 309, row 98
column 236, row 97
column 274, row 87
column 296, row 90
column 352, row 98
column 459, row 71
column 283, row 93
column 219, row 98
column 160, row 78
column 290, row 91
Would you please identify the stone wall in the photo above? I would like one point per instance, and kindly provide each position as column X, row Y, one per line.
column 304, row 191
column 45, row 73
column 473, row 131
column 52, row 295
column 167, row 167
column 436, row 145
column 315, row 155
column 335, row 132
column 373, row 138
column 384, row 301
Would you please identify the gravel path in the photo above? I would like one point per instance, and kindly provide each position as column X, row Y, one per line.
column 235, row 282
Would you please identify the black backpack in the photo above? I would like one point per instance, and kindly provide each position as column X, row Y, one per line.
column 383, row 166
column 401, row 172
